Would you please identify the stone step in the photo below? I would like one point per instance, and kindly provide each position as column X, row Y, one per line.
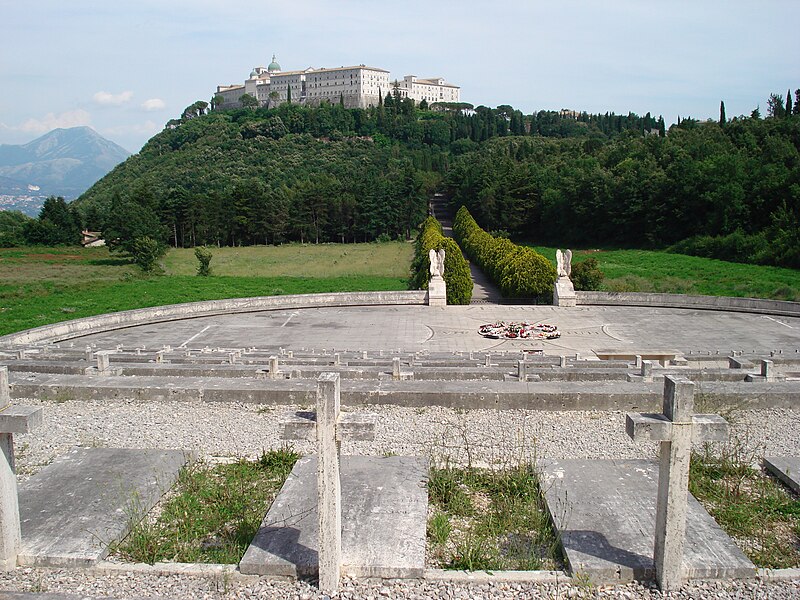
column 384, row 515
column 74, row 508
column 509, row 394
column 605, row 511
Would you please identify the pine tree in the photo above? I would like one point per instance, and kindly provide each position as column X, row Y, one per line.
column 722, row 119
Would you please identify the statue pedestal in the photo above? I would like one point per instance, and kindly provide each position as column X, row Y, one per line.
column 564, row 293
column 437, row 291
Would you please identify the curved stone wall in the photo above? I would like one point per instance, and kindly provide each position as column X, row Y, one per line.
column 751, row 305
column 159, row 314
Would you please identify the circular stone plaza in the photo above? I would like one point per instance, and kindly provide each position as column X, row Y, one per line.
column 216, row 379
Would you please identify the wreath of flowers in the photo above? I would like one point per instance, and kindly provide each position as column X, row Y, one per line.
column 522, row 330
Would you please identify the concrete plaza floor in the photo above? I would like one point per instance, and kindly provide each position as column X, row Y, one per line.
column 584, row 329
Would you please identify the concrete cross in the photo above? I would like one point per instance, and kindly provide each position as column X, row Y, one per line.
column 13, row 419
column 675, row 429
column 329, row 428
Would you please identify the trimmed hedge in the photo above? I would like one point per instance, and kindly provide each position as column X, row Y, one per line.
column 518, row 271
column 457, row 275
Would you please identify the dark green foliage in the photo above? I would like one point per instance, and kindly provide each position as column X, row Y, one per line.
column 12, row 228
column 457, row 276
column 204, row 257
column 57, row 225
column 642, row 191
column 587, row 275
column 519, row 271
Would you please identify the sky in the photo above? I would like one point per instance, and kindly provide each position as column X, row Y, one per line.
column 125, row 67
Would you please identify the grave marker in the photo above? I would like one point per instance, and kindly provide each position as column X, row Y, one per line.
column 675, row 429
column 330, row 428
column 13, row 419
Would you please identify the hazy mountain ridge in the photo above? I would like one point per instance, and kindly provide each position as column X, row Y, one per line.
column 63, row 162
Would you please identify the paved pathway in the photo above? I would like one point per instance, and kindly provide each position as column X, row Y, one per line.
column 483, row 290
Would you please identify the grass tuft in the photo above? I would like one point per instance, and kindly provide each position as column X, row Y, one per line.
column 212, row 514
column 484, row 519
column 752, row 507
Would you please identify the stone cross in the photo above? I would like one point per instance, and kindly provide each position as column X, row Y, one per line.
column 13, row 419
column 329, row 429
column 676, row 429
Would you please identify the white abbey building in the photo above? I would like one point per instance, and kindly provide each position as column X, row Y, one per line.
column 358, row 86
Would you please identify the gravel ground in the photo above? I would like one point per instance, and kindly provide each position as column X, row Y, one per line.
column 480, row 437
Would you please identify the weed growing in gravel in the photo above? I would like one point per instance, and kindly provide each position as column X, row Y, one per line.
column 752, row 507
column 212, row 513
column 483, row 519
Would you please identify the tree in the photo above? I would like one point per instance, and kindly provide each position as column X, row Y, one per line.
column 756, row 113
column 288, row 93
column 217, row 101
column 248, row 101
column 57, row 224
column 204, row 256
column 196, row 109
column 788, row 103
column 722, row 112
column 146, row 251
column 423, row 105
column 129, row 220
column 796, row 109
column 775, row 106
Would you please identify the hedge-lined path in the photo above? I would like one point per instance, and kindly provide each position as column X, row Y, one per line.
column 483, row 290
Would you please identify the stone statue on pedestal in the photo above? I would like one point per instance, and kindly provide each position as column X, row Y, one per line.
column 563, row 290
column 437, row 290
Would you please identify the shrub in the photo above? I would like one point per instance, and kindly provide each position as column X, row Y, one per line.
column 457, row 275
column 146, row 251
column 204, row 256
column 518, row 271
column 586, row 275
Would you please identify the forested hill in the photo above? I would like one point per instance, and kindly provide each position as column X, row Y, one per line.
column 728, row 189
column 307, row 174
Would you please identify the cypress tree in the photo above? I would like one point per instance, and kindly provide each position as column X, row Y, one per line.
column 722, row 113
column 788, row 103
column 288, row 93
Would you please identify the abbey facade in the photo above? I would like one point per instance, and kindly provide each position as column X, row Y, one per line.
column 358, row 86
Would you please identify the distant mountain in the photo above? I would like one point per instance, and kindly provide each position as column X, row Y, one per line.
column 63, row 162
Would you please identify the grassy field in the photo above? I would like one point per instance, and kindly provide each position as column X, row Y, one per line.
column 46, row 285
column 651, row 271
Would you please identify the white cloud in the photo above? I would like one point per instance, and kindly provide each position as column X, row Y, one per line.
column 153, row 104
column 106, row 99
column 70, row 118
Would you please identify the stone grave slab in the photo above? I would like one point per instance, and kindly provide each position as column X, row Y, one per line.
column 605, row 511
column 785, row 468
column 384, row 515
column 75, row 507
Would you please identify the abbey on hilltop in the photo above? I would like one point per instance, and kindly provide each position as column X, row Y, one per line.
column 358, row 86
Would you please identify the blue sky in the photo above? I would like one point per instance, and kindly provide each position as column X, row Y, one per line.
column 126, row 67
